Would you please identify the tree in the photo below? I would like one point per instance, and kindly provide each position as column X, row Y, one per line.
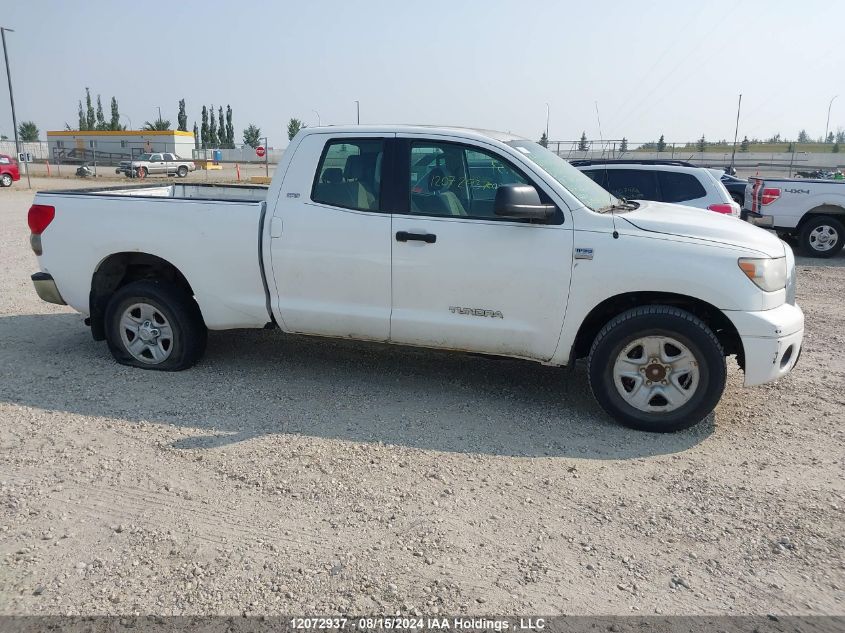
column 830, row 138
column 204, row 130
column 221, row 126
column 774, row 139
column 583, row 145
column 212, row 128
column 28, row 131
column 743, row 147
column 840, row 136
column 623, row 146
column 114, row 124
column 252, row 135
column 196, row 136
column 158, row 124
column 90, row 117
column 661, row 144
column 835, row 148
column 803, row 137
column 101, row 118
column 544, row 140
column 294, row 125
column 182, row 117
column 230, row 127
column 702, row 144
column 791, row 147
column 83, row 121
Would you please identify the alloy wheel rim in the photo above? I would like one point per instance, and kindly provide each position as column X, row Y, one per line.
column 824, row 237
column 146, row 333
column 656, row 374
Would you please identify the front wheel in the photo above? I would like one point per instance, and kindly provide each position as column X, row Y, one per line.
column 822, row 236
column 142, row 172
column 155, row 325
column 657, row 368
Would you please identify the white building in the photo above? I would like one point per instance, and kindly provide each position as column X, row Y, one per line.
column 106, row 146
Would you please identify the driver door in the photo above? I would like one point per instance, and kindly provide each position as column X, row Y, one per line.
column 463, row 278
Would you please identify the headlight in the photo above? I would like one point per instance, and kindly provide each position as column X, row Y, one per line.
column 769, row 274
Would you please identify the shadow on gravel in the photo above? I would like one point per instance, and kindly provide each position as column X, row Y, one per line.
column 255, row 383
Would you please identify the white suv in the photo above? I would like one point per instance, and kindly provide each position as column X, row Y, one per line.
column 665, row 181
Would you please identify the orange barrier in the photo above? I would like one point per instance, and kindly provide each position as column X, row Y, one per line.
column 238, row 171
column 48, row 168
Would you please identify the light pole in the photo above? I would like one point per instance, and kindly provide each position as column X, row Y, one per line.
column 547, row 122
column 12, row 101
column 826, row 125
column 318, row 117
column 736, row 133
column 159, row 112
column 358, row 111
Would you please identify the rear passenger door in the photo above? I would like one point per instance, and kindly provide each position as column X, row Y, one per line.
column 679, row 187
column 330, row 239
column 633, row 184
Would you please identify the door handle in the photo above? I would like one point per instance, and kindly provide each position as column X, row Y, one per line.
column 404, row 236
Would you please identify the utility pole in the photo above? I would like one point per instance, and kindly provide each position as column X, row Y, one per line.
column 358, row 111
column 827, row 125
column 736, row 133
column 266, row 157
column 12, row 100
column 159, row 112
column 547, row 122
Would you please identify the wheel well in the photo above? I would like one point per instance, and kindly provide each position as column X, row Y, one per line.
column 119, row 269
column 825, row 209
column 609, row 308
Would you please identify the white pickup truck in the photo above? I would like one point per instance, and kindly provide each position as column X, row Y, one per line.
column 437, row 237
column 811, row 211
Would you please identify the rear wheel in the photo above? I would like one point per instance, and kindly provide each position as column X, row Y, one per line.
column 6, row 180
column 657, row 368
column 155, row 325
column 182, row 171
column 822, row 236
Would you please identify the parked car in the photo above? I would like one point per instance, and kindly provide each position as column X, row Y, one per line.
column 156, row 164
column 809, row 211
column 9, row 171
column 662, row 181
column 735, row 186
column 384, row 233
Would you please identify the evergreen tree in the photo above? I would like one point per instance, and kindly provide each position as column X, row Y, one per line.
column 196, row 136
column 835, row 148
column 583, row 145
column 544, row 140
column 252, row 135
column 791, row 147
column 661, row 144
column 101, row 118
column 294, row 125
column 829, row 138
column 230, row 127
column 204, row 131
column 212, row 128
column 90, row 117
column 114, row 124
column 803, row 137
column 623, row 146
column 83, row 122
column 221, row 126
column 840, row 136
column 743, row 147
column 182, row 117
column 702, row 144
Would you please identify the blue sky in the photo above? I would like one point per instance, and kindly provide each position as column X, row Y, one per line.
column 672, row 68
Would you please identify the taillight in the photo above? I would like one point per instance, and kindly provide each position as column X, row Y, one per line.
column 40, row 216
column 721, row 208
column 770, row 195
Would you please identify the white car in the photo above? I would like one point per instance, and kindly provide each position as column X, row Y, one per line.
column 662, row 181
column 436, row 237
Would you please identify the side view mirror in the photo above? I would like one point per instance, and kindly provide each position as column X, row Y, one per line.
column 521, row 202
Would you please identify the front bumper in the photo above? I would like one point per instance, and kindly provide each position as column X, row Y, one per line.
column 771, row 341
column 46, row 288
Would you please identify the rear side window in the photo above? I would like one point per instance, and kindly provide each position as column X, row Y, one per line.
column 632, row 184
column 349, row 174
column 678, row 187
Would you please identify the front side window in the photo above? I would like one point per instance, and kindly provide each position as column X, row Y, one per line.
column 632, row 184
column 678, row 187
column 453, row 180
column 349, row 174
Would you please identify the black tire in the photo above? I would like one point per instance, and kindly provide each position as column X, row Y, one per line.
column 657, row 320
column 807, row 242
column 182, row 171
column 6, row 180
column 181, row 312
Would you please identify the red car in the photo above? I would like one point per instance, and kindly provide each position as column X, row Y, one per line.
column 9, row 172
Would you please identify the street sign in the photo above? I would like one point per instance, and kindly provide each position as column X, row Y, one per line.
column 260, row 151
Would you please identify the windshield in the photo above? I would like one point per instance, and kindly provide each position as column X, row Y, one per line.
column 590, row 194
column 145, row 157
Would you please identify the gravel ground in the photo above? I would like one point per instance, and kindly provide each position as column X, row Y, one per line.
column 291, row 475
